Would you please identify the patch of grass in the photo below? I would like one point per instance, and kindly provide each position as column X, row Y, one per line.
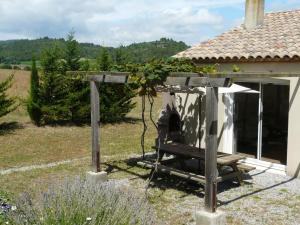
column 256, row 198
column 29, row 144
column 284, row 190
column 233, row 221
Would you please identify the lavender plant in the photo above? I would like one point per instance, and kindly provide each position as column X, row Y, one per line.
column 83, row 203
column 5, row 207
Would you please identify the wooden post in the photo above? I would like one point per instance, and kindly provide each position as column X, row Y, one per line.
column 95, row 121
column 211, row 149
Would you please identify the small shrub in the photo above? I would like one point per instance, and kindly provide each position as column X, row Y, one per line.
column 27, row 68
column 15, row 67
column 81, row 202
column 6, row 66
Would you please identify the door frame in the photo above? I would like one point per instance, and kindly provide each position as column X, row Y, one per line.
column 230, row 134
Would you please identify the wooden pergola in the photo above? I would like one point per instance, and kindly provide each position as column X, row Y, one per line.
column 180, row 83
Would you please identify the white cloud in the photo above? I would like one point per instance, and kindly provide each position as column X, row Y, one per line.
column 114, row 22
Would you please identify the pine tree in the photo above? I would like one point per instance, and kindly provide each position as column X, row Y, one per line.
column 7, row 104
column 54, row 87
column 33, row 104
column 78, row 95
column 104, row 60
column 72, row 54
column 120, row 56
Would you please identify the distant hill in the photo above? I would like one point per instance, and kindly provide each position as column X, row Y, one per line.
column 16, row 51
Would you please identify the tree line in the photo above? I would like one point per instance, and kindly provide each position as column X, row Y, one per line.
column 16, row 51
column 56, row 96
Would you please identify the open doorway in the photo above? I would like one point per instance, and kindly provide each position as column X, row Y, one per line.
column 261, row 122
column 246, row 121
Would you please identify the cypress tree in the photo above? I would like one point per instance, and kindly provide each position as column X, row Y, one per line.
column 7, row 104
column 33, row 104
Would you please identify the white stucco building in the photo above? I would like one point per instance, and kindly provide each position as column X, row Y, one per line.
column 262, row 122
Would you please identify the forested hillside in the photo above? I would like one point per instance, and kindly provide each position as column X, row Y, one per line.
column 16, row 51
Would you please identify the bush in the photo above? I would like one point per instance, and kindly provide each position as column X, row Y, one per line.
column 27, row 68
column 15, row 67
column 81, row 202
column 6, row 66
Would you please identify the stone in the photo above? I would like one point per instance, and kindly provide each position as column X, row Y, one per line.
column 206, row 218
column 99, row 177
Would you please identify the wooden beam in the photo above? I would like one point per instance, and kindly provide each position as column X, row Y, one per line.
column 209, row 82
column 252, row 75
column 95, row 120
column 115, row 79
column 109, row 78
column 172, row 171
column 211, row 149
column 197, row 81
column 184, row 74
column 276, row 81
column 180, row 89
column 170, row 81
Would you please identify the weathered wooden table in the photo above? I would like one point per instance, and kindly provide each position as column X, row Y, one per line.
column 183, row 152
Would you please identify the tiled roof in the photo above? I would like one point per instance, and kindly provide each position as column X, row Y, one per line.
column 277, row 39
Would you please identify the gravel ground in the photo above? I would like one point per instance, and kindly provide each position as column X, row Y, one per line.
column 264, row 199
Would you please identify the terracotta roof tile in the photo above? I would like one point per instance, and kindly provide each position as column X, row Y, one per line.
column 278, row 37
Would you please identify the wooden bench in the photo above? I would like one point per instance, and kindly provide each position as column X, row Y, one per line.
column 189, row 152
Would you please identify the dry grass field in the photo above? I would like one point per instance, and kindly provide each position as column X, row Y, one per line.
column 23, row 144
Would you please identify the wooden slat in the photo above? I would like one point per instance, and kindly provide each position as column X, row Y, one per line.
column 115, row 79
column 245, row 168
column 97, row 78
column 209, row 82
column 181, row 81
column 108, row 78
column 175, row 172
column 223, row 159
column 184, row 74
column 181, row 89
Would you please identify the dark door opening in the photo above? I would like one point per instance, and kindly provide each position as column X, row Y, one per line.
column 274, row 132
column 246, row 121
column 275, row 123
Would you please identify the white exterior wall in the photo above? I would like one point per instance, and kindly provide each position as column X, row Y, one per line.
column 293, row 151
column 188, row 107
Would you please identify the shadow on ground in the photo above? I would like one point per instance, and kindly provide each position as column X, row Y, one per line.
column 163, row 181
column 10, row 127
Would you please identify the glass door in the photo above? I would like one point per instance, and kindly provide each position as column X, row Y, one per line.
column 261, row 122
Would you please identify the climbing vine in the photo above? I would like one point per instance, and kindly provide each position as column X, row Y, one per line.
column 145, row 77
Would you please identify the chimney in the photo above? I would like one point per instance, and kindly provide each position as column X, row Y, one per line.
column 255, row 10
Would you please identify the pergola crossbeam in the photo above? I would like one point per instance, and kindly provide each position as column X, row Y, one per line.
column 183, row 81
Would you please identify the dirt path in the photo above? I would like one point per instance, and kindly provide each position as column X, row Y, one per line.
column 40, row 166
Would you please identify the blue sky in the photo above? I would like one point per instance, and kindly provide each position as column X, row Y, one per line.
column 116, row 22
